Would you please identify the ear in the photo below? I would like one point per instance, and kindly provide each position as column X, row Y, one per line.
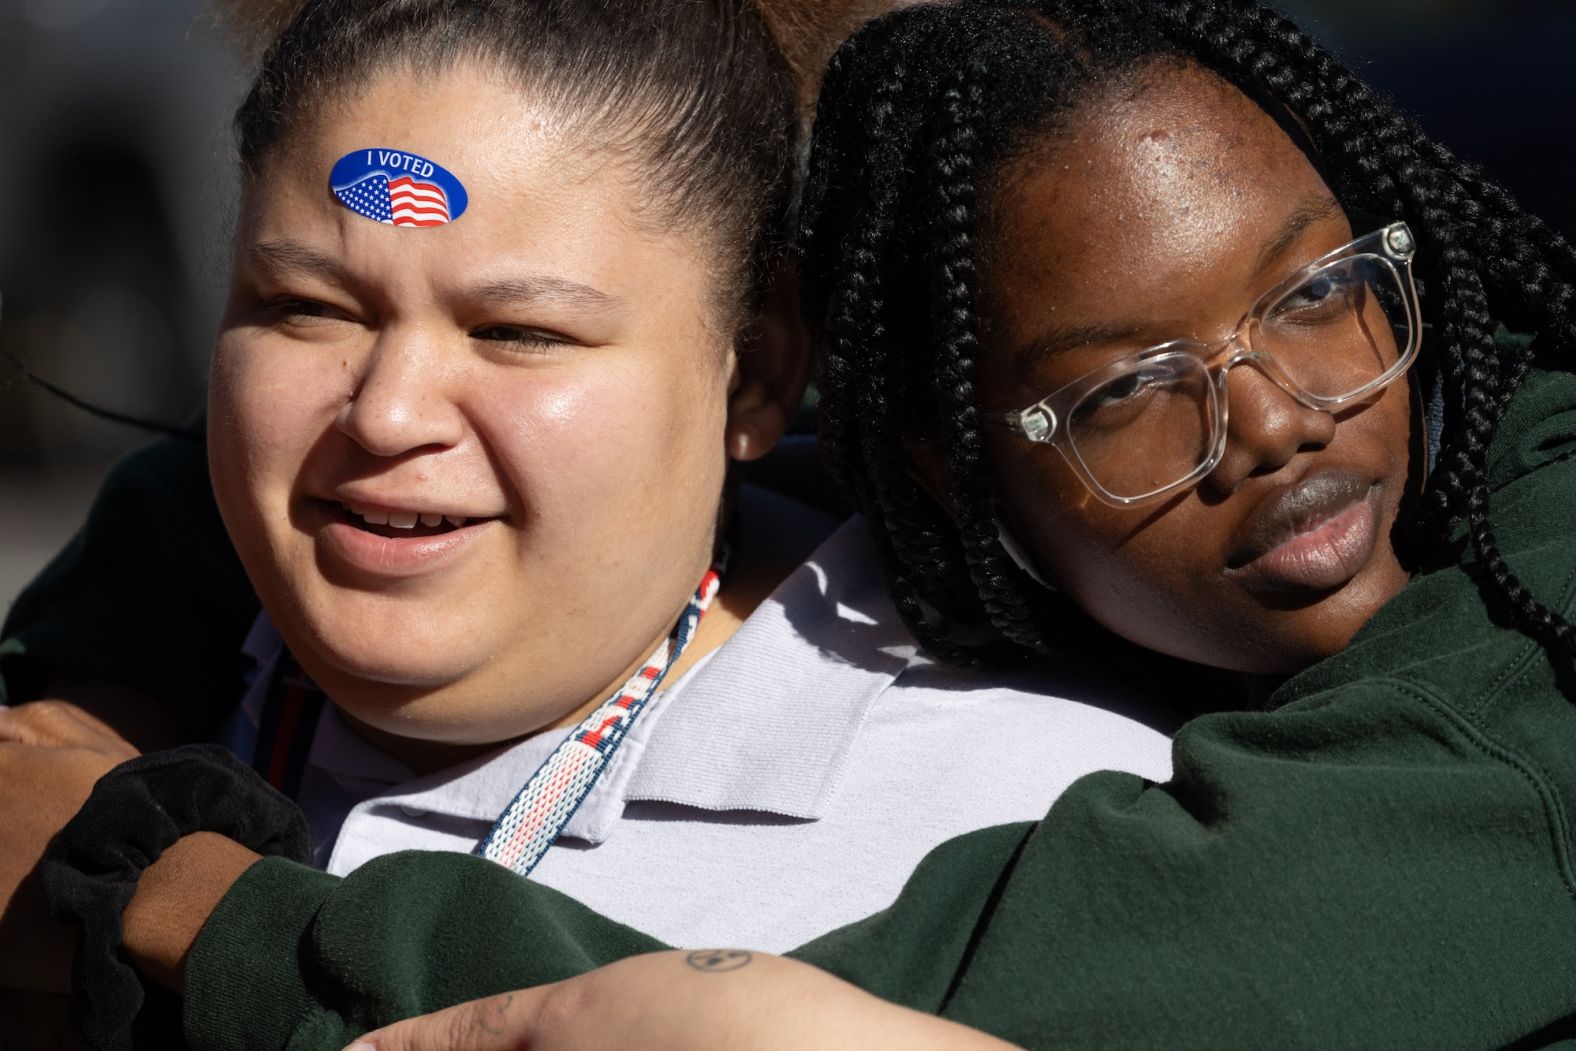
column 769, row 378
column 927, row 465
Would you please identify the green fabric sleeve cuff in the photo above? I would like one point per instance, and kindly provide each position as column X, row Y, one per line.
column 296, row 958
column 242, row 983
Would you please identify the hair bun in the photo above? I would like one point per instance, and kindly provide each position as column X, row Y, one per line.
column 252, row 25
column 809, row 31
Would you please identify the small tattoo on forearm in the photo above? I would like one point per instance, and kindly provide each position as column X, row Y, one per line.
column 718, row 959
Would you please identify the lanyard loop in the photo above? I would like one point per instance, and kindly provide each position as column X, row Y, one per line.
column 541, row 809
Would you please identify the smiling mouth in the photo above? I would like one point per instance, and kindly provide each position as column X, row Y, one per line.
column 402, row 525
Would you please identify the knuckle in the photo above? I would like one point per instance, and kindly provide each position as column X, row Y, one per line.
column 50, row 713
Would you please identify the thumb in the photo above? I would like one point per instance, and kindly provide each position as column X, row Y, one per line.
column 495, row 1023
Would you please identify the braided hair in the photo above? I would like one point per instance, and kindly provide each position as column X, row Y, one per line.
column 906, row 147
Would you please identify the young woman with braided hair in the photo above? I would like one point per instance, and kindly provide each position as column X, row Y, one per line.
column 1066, row 224
column 909, row 236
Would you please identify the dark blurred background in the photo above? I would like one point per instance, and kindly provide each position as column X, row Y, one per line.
column 116, row 194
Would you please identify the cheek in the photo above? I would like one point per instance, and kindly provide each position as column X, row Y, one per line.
column 586, row 448
column 266, row 408
column 1139, row 575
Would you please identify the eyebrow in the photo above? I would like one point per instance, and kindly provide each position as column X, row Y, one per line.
column 1054, row 341
column 293, row 255
column 538, row 288
column 1313, row 210
column 1051, row 342
column 531, row 288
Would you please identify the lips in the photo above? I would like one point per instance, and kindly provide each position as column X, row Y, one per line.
column 387, row 543
column 1315, row 535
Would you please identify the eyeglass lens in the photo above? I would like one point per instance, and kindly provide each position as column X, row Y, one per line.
column 1152, row 425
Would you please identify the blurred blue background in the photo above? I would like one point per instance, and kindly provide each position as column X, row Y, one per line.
column 117, row 189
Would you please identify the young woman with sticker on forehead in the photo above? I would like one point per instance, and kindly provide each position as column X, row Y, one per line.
column 1376, row 855
column 476, row 471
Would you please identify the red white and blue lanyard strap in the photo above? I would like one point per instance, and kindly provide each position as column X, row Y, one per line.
column 541, row 809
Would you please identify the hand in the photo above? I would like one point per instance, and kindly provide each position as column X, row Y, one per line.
column 51, row 755
column 61, row 724
column 713, row 998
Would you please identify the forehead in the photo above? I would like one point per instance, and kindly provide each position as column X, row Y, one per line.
column 542, row 184
column 1152, row 194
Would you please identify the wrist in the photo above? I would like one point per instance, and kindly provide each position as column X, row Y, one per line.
column 174, row 898
column 93, row 869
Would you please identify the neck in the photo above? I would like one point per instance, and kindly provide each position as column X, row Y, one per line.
column 423, row 757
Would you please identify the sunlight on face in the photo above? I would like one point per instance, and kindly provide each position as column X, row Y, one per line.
column 1163, row 214
column 540, row 386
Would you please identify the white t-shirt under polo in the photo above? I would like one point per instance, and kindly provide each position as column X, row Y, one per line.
column 784, row 787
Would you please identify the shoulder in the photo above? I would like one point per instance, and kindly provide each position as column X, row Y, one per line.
column 1538, row 432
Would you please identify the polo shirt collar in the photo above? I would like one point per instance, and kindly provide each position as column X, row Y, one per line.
column 767, row 724
column 762, row 724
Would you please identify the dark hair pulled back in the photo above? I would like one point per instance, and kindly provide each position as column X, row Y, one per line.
column 695, row 92
column 925, row 107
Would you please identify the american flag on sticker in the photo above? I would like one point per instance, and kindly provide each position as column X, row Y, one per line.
column 413, row 194
column 402, row 201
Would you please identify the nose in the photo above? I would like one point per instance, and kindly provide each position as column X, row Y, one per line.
column 1265, row 428
column 403, row 399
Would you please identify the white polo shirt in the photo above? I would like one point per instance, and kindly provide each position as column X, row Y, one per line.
column 787, row 785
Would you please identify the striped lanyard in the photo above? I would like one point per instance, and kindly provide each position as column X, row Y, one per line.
column 541, row 809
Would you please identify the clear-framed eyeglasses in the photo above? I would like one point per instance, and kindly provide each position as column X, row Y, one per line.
column 1152, row 423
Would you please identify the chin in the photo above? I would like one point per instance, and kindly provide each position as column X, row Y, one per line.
column 380, row 646
column 1288, row 649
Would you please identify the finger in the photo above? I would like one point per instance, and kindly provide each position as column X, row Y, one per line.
column 495, row 1023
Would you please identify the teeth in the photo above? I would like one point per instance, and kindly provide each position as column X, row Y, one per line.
column 403, row 519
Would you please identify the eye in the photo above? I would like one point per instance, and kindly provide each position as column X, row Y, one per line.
column 1133, row 385
column 1326, row 295
column 291, row 308
column 530, row 340
column 1119, row 400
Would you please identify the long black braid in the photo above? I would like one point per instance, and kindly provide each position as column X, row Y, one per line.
column 906, row 144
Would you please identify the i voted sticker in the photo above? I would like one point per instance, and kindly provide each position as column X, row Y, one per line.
column 392, row 186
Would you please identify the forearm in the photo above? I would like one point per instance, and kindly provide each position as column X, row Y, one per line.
column 709, row 999
column 731, row 999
